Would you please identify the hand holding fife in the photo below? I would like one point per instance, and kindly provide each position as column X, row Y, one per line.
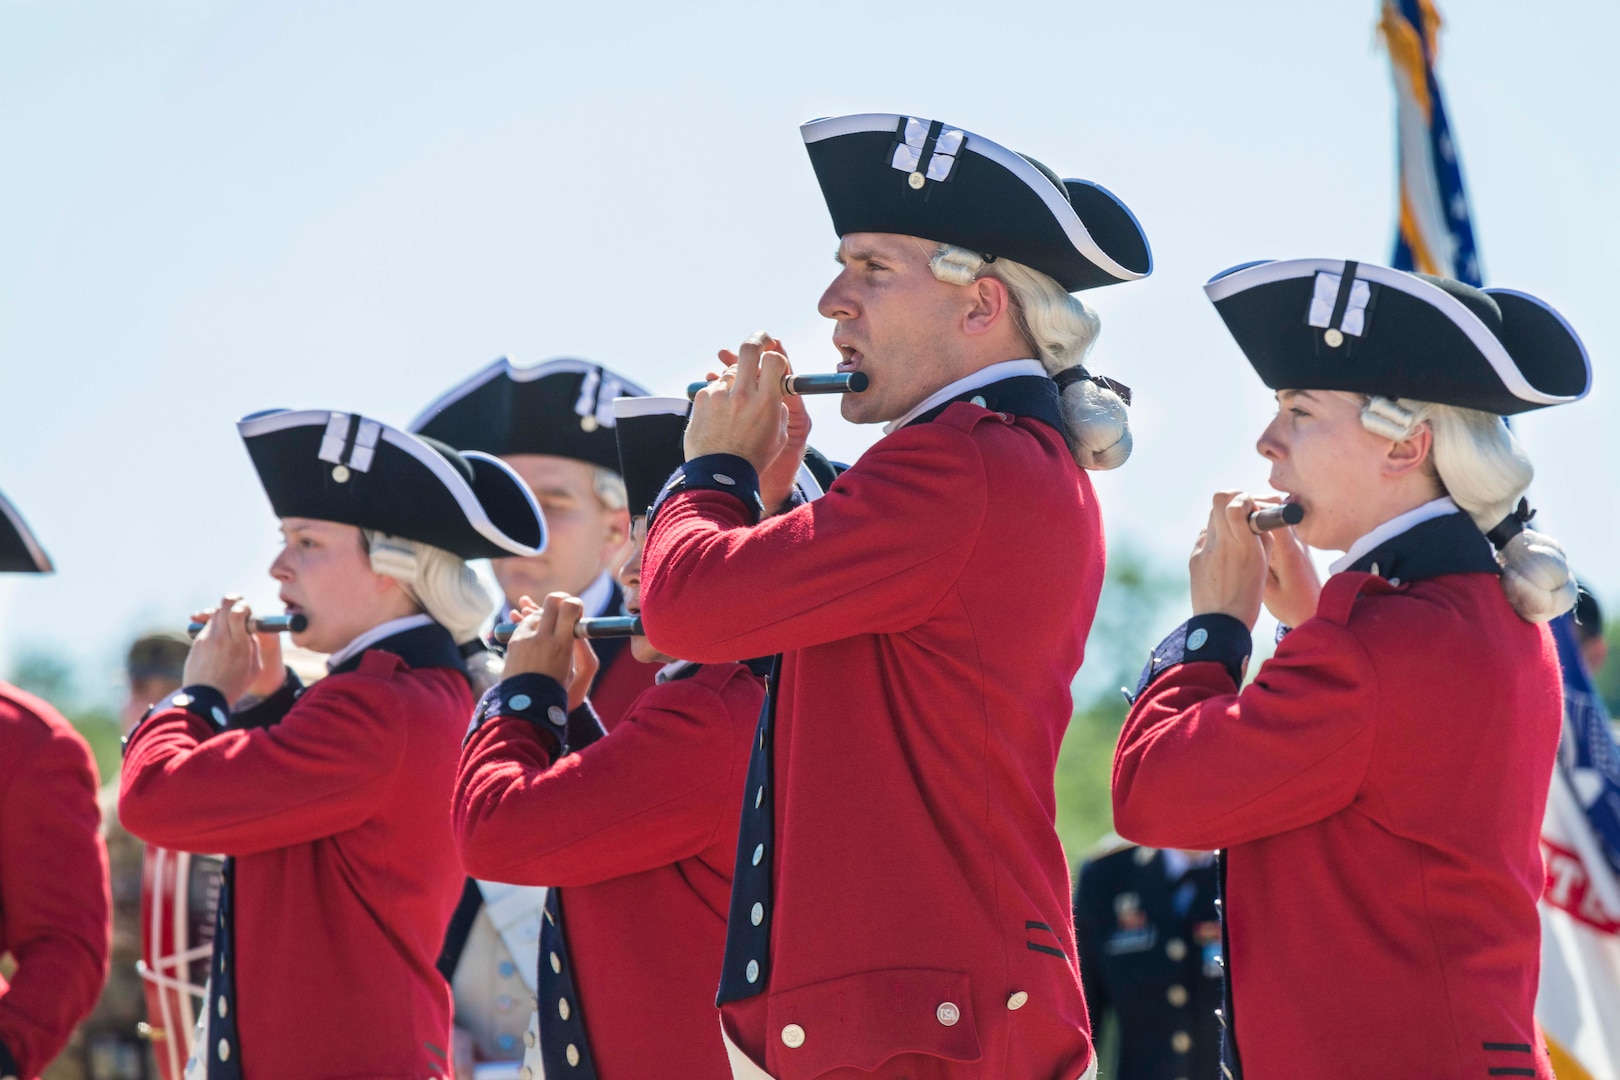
column 543, row 643
column 1292, row 584
column 586, row 665
column 743, row 412
column 225, row 655
column 1228, row 563
column 776, row 480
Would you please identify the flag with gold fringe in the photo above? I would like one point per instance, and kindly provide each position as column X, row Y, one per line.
column 1436, row 233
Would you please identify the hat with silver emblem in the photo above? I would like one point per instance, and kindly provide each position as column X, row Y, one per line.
column 887, row 173
column 20, row 553
column 343, row 467
column 1333, row 324
column 563, row 408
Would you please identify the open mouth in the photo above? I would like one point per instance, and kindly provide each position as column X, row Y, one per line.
column 850, row 356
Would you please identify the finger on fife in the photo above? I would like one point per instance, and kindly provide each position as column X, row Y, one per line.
column 264, row 624
column 1275, row 517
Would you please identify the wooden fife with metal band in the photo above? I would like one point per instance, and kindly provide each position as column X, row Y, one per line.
column 842, row 382
column 609, row 627
column 264, row 624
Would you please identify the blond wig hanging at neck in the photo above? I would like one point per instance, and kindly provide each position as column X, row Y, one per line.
column 441, row 584
column 1486, row 472
column 1061, row 330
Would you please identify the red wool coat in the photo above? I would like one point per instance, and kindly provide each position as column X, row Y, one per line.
column 344, row 862
column 54, row 904
column 621, row 681
column 932, row 608
column 640, row 830
column 1378, row 790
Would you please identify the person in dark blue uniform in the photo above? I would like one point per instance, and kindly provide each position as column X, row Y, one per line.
column 1149, row 934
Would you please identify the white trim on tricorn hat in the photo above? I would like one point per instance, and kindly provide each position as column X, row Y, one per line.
column 17, row 541
column 341, row 448
column 1333, row 334
column 505, row 408
column 928, row 152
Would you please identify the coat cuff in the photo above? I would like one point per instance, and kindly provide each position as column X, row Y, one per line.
column 204, row 702
column 715, row 472
column 269, row 711
column 1202, row 638
column 537, row 698
column 9, row 1069
column 584, row 727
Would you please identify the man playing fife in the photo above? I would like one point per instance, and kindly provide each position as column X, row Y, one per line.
column 638, row 823
column 900, row 900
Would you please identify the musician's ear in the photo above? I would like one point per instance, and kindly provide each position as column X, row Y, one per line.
column 991, row 306
column 1411, row 454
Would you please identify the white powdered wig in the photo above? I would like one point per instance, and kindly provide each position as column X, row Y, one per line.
column 609, row 487
column 1485, row 471
column 1061, row 330
column 442, row 584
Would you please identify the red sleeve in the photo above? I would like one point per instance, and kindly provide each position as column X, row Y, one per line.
column 874, row 555
column 54, row 902
column 651, row 792
column 322, row 770
column 1201, row 766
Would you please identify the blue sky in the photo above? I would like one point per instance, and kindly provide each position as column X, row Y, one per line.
column 210, row 208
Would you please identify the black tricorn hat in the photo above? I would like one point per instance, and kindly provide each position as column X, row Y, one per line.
column 20, row 553
column 1332, row 324
column 887, row 173
column 651, row 432
column 561, row 407
column 337, row 466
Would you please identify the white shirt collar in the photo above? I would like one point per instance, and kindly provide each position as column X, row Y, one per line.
column 1006, row 369
column 597, row 595
column 672, row 670
column 374, row 635
column 1392, row 528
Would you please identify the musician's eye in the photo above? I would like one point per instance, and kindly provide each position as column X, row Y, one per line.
column 1297, row 411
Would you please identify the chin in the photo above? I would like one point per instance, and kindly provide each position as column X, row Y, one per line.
column 642, row 650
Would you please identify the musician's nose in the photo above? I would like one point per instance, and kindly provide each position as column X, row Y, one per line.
column 281, row 566
column 1270, row 444
column 837, row 302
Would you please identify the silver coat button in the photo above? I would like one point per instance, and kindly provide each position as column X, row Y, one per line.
column 556, row 715
column 1177, row 995
column 1175, row 948
column 759, row 853
column 753, row 971
column 519, row 701
column 224, row 1007
column 219, row 716
column 722, row 478
column 224, row 1050
column 588, row 422
column 556, row 963
column 1181, row 1042
column 562, row 1008
column 529, row 1040
column 947, row 1013
column 1334, row 338
column 526, row 1073
column 758, row 914
column 916, row 180
column 572, row 1054
column 340, row 473
column 793, row 1034
column 759, row 796
column 978, row 399
column 1197, row 638
column 180, row 701
column 1018, row 1000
